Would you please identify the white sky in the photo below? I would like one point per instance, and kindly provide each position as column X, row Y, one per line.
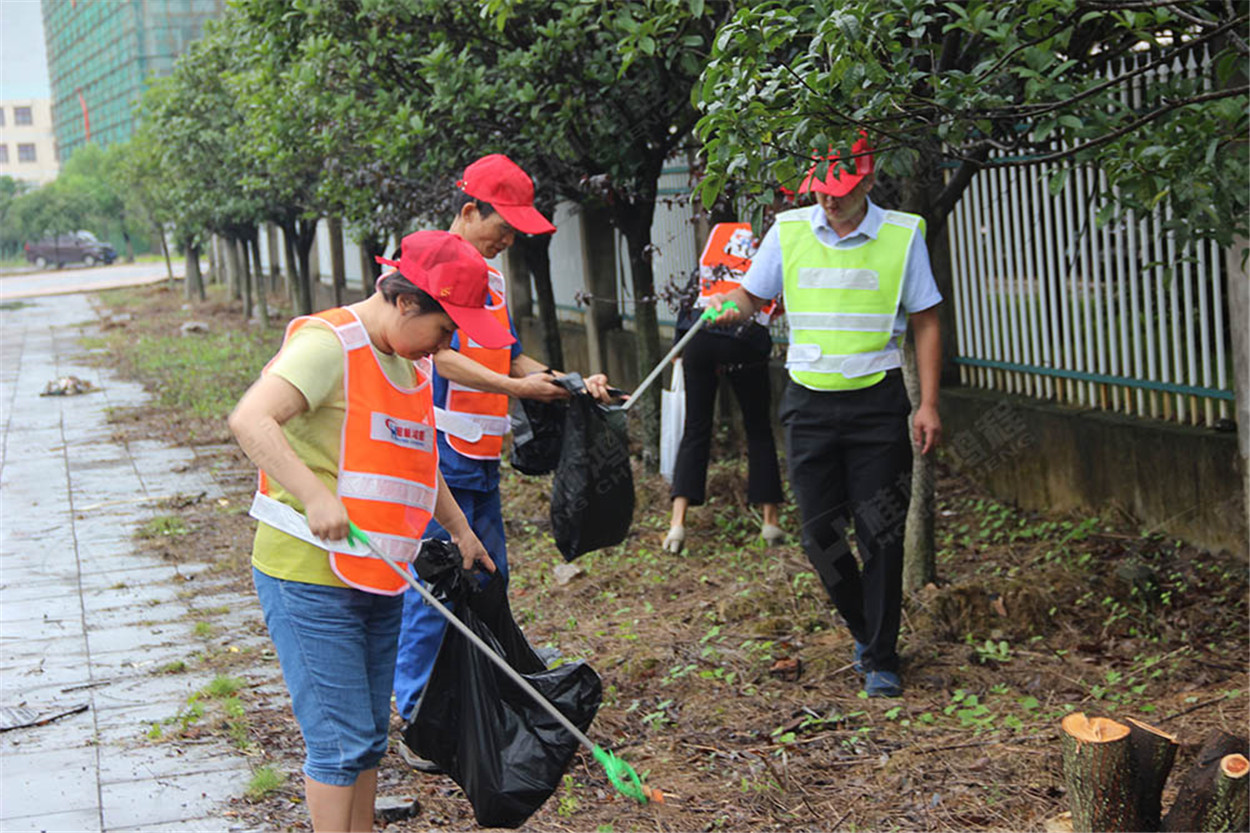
column 23, row 56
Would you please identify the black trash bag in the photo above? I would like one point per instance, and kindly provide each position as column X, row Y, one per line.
column 503, row 749
column 592, row 495
column 537, row 434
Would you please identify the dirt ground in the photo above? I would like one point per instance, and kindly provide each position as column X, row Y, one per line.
column 727, row 679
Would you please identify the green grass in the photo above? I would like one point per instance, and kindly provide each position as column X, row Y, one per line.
column 163, row 526
column 223, row 686
column 204, row 375
column 265, row 780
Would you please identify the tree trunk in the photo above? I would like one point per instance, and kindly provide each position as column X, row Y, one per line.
column 292, row 269
column 1153, row 752
column 262, row 288
column 919, row 547
column 297, row 257
column 370, row 247
column 1098, row 769
column 598, row 241
column 919, row 544
column 1239, row 310
column 212, row 259
column 646, row 326
column 338, row 269
column 536, row 257
column 194, row 281
column 232, row 268
column 306, row 235
column 169, row 269
column 271, row 247
column 246, row 281
column 1202, row 798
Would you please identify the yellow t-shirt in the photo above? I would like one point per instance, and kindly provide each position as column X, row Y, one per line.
column 312, row 361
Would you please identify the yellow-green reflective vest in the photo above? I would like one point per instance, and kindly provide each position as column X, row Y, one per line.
column 841, row 302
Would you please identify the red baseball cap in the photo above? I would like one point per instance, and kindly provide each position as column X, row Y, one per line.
column 498, row 180
column 839, row 181
column 453, row 273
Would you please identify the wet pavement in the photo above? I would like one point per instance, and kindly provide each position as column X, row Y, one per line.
column 85, row 618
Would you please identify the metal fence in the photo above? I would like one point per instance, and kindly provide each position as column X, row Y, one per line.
column 1118, row 317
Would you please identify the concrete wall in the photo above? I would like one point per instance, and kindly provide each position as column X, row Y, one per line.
column 1183, row 481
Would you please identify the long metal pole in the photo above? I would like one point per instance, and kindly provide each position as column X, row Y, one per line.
column 659, row 368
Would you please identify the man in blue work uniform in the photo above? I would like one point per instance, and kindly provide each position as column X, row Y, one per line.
column 494, row 203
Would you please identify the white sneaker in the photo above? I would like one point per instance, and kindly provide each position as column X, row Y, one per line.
column 772, row 534
column 676, row 539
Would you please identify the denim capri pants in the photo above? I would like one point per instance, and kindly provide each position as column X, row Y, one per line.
column 337, row 649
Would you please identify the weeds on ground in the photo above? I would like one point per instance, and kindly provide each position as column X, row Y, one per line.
column 164, row 526
column 265, row 779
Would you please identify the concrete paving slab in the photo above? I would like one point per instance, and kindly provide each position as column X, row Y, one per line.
column 129, row 570
column 169, row 801
column 49, row 693
column 161, row 760
column 75, row 821
column 35, row 653
column 150, row 615
column 135, row 638
column 64, row 780
column 124, row 699
column 131, row 597
column 76, row 732
column 38, row 629
column 12, row 590
column 120, row 663
column 68, row 668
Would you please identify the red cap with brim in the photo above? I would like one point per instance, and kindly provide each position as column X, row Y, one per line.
column 839, row 181
column 453, row 273
column 498, row 180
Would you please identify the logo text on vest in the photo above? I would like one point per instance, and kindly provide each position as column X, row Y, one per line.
column 401, row 432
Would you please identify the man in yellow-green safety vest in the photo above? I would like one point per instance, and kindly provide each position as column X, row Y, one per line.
column 852, row 275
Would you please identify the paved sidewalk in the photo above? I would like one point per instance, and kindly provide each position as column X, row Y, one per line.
column 83, row 617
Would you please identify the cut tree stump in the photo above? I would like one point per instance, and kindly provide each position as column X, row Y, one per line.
column 1153, row 752
column 1213, row 794
column 1098, row 769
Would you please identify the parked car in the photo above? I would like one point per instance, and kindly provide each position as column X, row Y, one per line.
column 74, row 247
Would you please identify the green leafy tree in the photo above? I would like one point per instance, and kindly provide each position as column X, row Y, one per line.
column 11, row 237
column 599, row 95
column 941, row 86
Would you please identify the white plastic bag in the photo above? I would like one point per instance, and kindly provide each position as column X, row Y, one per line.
column 672, row 421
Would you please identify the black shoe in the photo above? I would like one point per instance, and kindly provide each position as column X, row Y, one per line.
column 423, row 765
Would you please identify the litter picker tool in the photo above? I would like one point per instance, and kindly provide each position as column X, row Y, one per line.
column 709, row 314
column 620, row 773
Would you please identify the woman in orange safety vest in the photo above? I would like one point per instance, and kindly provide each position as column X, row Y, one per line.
column 341, row 424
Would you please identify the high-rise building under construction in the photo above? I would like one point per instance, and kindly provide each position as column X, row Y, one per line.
column 101, row 54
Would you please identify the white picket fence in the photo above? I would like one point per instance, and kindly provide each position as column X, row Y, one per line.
column 1117, row 318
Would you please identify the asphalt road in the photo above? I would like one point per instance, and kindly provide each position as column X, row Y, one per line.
column 14, row 285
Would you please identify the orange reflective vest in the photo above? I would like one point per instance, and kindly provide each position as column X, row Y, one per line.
column 388, row 459
column 488, row 410
column 726, row 258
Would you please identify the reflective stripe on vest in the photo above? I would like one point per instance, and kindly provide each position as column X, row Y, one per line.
column 388, row 462
column 488, row 410
column 841, row 302
column 725, row 260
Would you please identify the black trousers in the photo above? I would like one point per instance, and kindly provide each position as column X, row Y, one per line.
column 743, row 361
column 850, row 457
